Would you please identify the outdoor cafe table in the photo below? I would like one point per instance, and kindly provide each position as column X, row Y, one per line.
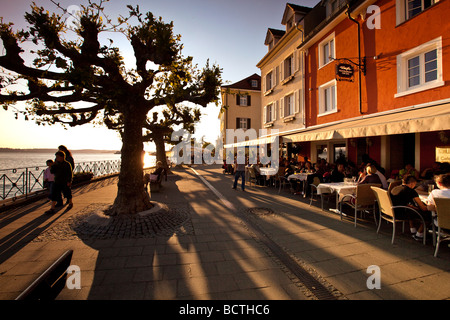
column 268, row 172
column 300, row 177
column 338, row 188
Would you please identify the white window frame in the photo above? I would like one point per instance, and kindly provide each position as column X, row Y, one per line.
column 323, row 61
column 288, row 70
column 270, row 112
column 401, row 10
column 326, row 94
column 288, row 105
column 254, row 83
column 243, row 100
column 272, row 78
column 243, row 123
column 402, row 68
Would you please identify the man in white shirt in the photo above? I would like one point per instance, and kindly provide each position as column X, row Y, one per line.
column 443, row 183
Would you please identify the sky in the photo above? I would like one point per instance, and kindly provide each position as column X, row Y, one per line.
column 229, row 33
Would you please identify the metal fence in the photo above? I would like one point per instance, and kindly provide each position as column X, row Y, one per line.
column 21, row 182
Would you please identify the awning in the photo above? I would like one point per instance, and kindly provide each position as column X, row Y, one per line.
column 423, row 119
column 254, row 142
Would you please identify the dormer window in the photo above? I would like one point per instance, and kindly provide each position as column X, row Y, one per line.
column 290, row 24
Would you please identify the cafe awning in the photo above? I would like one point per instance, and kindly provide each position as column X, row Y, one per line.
column 254, row 142
column 411, row 120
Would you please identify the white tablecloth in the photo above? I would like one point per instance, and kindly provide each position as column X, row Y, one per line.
column 299, row 176
column 268, row 171
column 338, row 187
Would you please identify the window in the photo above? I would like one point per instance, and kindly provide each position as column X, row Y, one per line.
column 327, row 98
column 420, row 68
column 270, row 112
column 407, row 9
column 269, row 79
column 289, row 105
column 333, row 6
column 414, row 7
column 243, row 100
column 254, row 83
column 340, row 152
column 327, row 51
column 288, row 67
column 243, row 123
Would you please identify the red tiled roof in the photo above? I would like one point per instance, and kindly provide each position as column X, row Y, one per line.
column 246, row 84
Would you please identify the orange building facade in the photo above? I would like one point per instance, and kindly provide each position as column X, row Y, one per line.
column 376, row 81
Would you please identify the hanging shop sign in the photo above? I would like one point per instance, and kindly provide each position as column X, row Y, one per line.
column 344, row 71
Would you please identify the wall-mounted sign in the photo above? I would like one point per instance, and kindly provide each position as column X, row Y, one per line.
column 344, row 70
column 442, row 154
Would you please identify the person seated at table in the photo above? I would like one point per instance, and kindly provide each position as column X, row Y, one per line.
column 366, row 159
column 428, row 175
column 351, row 170
column 384, row 183
column 369, row 175
column 259, row 177
column 338, row 173
column 443, row 191
column 408, row 171
column 405, row 195
column 307, row 168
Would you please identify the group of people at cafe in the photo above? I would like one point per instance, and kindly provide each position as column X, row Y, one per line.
column 430, row 183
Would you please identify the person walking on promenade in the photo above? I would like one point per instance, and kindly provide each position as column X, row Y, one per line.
column 62, row 171
column 49, row 178
column 69, row 157
column 239, row 172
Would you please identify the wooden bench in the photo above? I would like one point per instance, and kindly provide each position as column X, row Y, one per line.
column 50, row 283
column 155, row 185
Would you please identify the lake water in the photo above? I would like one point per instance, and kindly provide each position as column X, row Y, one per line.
column 22, row 172
column 16, row 160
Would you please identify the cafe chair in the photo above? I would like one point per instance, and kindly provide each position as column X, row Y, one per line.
column 363, row 200
column 394, row 184
column 280, row 178
column 313, row 186
column 443, row 222
column 386, row 211
column 252, row 176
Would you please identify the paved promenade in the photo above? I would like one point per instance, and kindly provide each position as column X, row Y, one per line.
column 208, row 241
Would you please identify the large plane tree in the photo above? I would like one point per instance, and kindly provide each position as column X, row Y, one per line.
column 73, row 78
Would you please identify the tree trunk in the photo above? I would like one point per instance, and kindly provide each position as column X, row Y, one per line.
column 161, row 151
column 131, row 197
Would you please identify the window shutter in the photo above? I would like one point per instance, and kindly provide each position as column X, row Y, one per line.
column 263, row 84
column 296, row 60
column 282, row 71
column 274, row 110
column 249, row 100
column 238, row 123
column 281, row 108
column 238, row 100
column 249, row 123
column 265, row 115
column 277, row 75
column 297, row 101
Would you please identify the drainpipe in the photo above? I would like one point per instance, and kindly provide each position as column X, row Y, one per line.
column 359, row 55
column 298, row 27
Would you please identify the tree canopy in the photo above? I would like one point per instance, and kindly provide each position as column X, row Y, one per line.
column 74, row 78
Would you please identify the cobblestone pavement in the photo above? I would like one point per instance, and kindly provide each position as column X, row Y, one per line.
column 193, row 246
column 91, row 223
